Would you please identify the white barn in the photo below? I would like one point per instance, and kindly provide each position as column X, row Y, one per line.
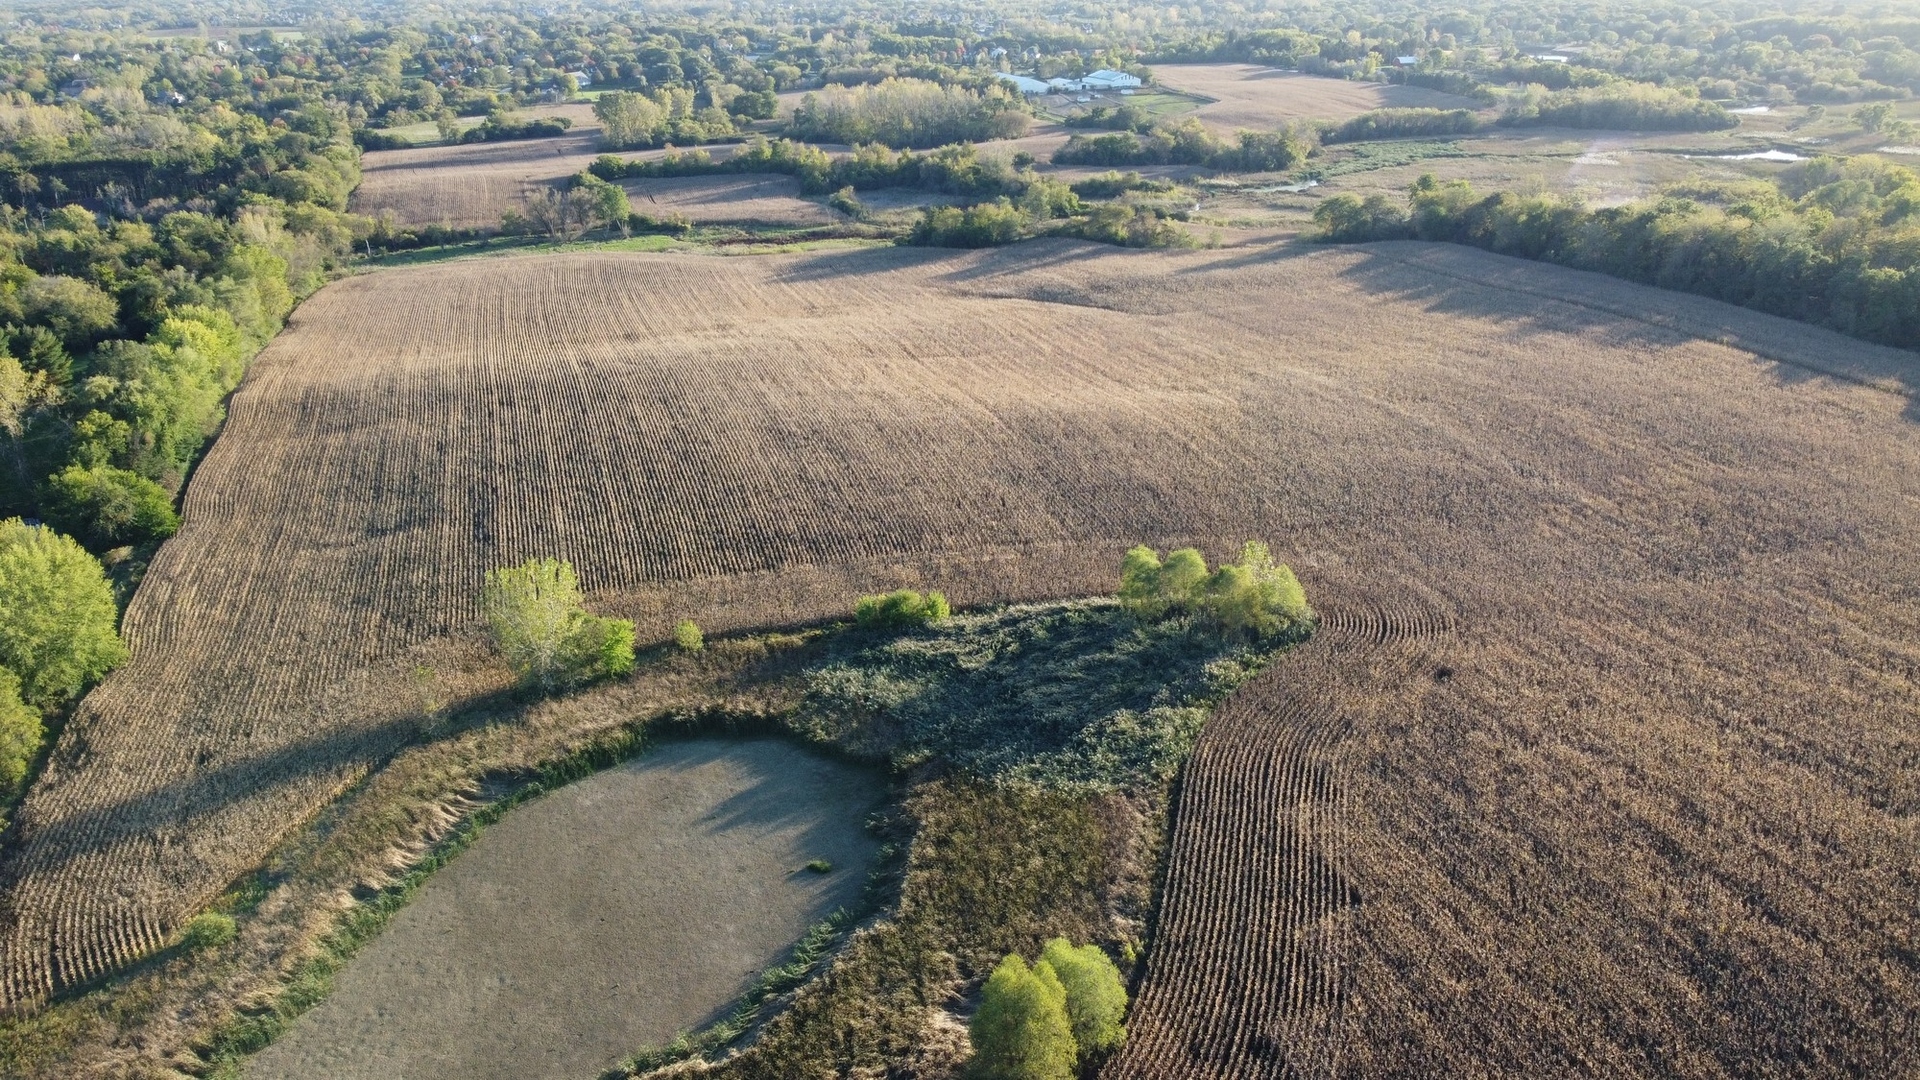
column 1106, row 79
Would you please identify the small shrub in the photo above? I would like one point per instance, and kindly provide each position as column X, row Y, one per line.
column 1021, row 1031
column 208, row 930
column 820, row 866
column 904, row 607
column 847, row 203
column 686, row 634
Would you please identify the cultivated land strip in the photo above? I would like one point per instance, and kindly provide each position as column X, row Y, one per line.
column 1657, row 820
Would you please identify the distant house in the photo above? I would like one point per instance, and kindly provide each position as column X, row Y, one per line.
column 1026, row 86
column 1407, row 61
column 1059, row 85
column 1551, row 58
column 582, row 79
column 1106, row 79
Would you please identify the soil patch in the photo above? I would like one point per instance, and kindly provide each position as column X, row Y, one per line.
column 611, row 914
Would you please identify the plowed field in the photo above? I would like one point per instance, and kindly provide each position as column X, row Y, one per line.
column 1605, row 763
column 1262, row 98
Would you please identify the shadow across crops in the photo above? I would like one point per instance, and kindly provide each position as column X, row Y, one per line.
column 1619, row 317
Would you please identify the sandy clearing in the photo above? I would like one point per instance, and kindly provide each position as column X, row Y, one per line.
column 609, row 915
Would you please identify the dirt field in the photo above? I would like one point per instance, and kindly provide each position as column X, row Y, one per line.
column 751, row 200
column 609, row 915
column 1603, row 768
column 1261, row 98
column 470, row 186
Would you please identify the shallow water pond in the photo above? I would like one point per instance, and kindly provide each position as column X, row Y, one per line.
column 609, row 915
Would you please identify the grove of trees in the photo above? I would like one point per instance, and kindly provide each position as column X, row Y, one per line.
column 1048, row 1021
column 1255, row 597
column 909, row 113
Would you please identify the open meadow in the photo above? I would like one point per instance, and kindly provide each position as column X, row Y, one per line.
column 1601, row 763
column 1258, row 98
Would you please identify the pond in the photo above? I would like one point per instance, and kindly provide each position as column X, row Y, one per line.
column 609, row 915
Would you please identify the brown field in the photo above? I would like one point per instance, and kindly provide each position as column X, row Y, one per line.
column 1601, row 766
column 470, row 186
column 611, row 914
column 1261, row 98
column 749, row 200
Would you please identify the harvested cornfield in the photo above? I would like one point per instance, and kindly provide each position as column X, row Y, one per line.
column 470, row 186
column 744, row 200
column 1256, row 98
column 1603, row 763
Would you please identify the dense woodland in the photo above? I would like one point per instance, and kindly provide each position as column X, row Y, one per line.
column 170, row 190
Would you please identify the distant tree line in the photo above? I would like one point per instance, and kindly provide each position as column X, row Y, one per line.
column 1623, row 106
column 1189, row 143
column 1829, row 241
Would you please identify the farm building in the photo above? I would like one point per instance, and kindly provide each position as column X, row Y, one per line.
column 1025, row 85
column 1106, row 79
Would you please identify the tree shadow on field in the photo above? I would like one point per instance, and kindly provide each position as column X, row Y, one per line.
column 1533, row 297
column 188, row 804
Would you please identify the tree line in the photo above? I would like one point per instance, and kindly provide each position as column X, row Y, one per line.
column 1829, row 241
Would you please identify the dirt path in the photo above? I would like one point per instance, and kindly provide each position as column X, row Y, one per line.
column 611, row 914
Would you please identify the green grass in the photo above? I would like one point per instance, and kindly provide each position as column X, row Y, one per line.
column 1366, row 157
column 1076, row 696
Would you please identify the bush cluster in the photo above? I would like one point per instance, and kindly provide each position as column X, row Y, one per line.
column 1050, row 1021
column 539, row 626
column 1254, row 597
column 903, row 607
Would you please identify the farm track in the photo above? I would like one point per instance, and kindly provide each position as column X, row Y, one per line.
column 1657, row 821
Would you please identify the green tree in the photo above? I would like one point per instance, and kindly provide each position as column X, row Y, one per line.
column 1183, row 572
column 106, row 507
column 1096, row 995
column 539, row 625
column 1140, row 582
column 629, row 120
column 20, row 734
column 57, row 615
column 1255, row 596
column 1021, row 1030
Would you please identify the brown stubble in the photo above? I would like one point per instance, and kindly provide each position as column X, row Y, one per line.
column 1655, row 820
